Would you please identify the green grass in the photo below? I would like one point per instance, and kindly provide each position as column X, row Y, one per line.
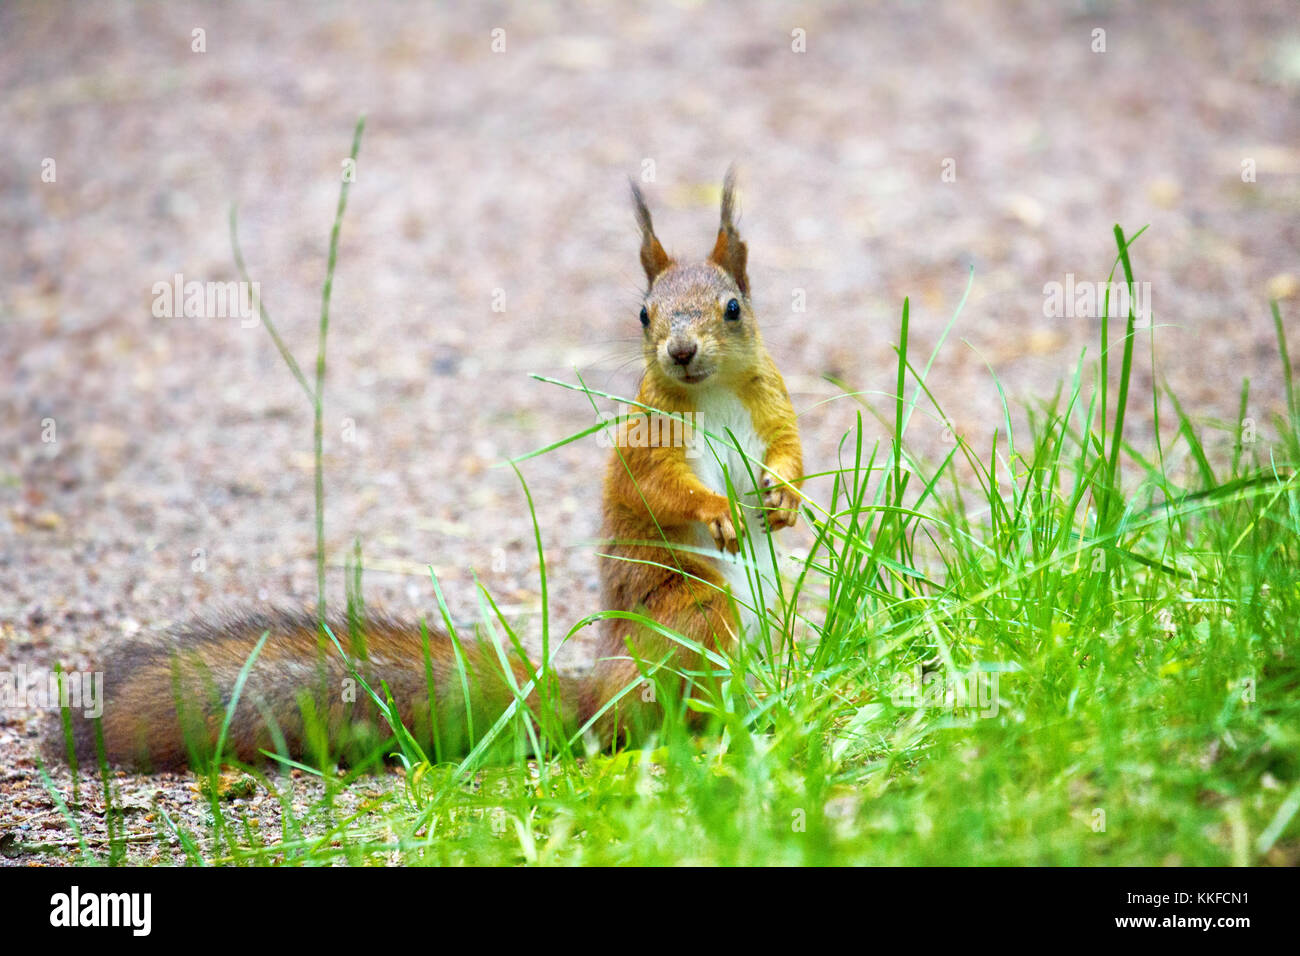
column 1130, row 621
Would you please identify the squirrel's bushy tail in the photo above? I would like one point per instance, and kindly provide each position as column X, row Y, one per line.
column 165, row 699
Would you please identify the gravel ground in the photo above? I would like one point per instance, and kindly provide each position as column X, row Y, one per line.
column 179, row 477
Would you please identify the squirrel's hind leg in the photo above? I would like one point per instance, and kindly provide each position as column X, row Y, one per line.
column 695, row 605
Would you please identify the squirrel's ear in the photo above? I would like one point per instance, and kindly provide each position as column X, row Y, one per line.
column 653, row 258
column 730, row 251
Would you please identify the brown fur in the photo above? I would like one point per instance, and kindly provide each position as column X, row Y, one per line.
column 652, row 504
column 294, row 674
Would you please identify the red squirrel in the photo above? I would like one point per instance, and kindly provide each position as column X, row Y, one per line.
column 672, row 554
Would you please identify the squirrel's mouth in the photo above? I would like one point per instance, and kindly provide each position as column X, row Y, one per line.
column 691, row 374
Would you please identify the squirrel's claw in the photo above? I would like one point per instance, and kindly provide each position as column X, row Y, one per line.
column 724, row 534
column 780, row 504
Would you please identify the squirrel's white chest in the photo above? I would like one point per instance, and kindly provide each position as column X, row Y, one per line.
column 714, row 456
column 734, row 450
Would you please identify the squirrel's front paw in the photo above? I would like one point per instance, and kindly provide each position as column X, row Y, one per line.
column 780, row 504
column 724, row 533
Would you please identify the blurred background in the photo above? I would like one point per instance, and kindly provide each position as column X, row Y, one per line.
column 885, row 150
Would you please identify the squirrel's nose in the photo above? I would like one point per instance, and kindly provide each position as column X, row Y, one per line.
column 682, row 352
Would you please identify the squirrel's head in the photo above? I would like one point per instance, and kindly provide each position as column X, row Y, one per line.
column 698, row 326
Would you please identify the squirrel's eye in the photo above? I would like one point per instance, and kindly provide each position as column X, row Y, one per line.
column 733, row 310
column 645, row 317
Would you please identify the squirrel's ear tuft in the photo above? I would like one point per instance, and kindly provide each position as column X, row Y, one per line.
column 730, row 251
column 653, row 258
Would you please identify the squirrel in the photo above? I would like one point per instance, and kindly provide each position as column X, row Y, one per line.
column 673, row 553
